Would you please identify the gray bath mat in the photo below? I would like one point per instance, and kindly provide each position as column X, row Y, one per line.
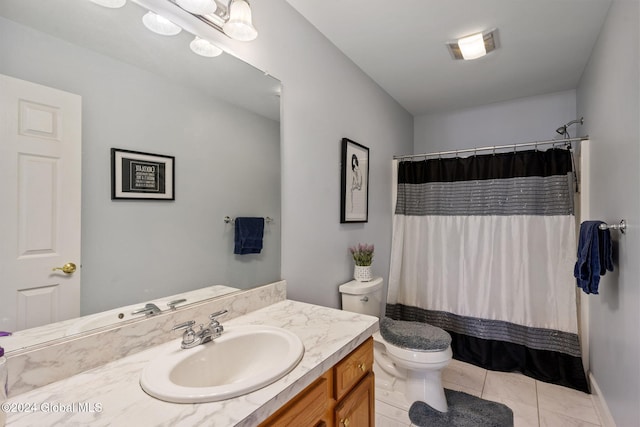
column 465, row 410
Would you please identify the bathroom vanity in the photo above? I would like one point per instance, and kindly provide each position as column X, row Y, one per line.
column 343, row 396
column 334, row 374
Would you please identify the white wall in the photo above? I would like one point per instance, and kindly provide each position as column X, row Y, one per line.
column 608, row 96
column 534, row 118
column 325, row 98
column 227, row 163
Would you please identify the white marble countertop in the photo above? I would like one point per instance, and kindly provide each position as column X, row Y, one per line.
column 111, row 395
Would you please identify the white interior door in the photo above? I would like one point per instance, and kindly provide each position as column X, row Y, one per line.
column 40, row 194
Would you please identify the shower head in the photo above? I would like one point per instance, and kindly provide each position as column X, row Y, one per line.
column 562, row 130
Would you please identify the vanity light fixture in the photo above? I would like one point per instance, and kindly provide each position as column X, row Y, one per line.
column 204, row 47
column 113, row 4
column 198, row 7
column 474, row 46
column 230, row 17
column 160, row 25
column 240, row 26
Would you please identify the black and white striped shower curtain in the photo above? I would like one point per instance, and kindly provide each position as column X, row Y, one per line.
column 484, row 248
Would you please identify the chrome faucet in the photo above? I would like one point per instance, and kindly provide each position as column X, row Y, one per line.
column 149, row 309
column 191, row 338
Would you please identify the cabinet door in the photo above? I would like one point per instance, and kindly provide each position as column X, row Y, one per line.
column 356, row 409
column 350, row 370
column 307, row 409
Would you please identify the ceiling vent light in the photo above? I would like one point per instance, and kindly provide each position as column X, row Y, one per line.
column 113, row 4
column 474, row 46
column 160, row 25
column 198, row 7
column 239, row 25
column 204, row 48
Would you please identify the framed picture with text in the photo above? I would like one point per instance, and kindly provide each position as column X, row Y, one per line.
column 354, row 193
column 141, row 176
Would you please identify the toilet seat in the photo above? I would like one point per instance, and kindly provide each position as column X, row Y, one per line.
column 416, row 375
column 414, row 357
column 416, row 336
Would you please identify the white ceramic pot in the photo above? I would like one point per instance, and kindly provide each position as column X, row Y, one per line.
column 362, row 273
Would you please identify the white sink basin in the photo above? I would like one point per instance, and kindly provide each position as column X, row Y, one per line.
column 243, row 359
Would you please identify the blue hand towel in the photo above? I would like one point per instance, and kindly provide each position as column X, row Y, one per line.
column 248, row 235
column 594, row 256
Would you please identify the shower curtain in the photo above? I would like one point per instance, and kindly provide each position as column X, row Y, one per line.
column 484, row 248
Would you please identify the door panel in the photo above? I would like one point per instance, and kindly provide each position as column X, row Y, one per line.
column 37, row 183
column 40, row 174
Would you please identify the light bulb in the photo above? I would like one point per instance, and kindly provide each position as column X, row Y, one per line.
column 160, row 25
column 113, row 4
column 204, row 47
column 239, row 25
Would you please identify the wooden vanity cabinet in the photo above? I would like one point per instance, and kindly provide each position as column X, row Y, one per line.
column 357, row 408
column 342, row 397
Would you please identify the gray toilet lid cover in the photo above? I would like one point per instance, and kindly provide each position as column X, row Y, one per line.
column 414, row 335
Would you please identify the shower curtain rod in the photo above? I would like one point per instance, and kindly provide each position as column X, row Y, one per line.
column 493, row 148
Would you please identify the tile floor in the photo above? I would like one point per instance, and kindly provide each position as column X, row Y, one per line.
column 534, row 403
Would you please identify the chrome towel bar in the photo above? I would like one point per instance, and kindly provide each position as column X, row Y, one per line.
column 622, row 226
column 229, row 220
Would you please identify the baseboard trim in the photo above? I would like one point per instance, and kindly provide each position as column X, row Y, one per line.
column 600, row 404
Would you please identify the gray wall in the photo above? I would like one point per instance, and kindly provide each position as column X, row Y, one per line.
column 227, row 163
column 325, row 98
column 608, row 97
column 528, row 119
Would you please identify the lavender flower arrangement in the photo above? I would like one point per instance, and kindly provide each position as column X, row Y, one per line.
column 362, row 254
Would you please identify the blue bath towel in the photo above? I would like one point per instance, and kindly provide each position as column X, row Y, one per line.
column 594, row 256
column 248, row 235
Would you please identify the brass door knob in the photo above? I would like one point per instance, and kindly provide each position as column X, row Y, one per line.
column 345, row 422
column 362, row 366
column 68, row 268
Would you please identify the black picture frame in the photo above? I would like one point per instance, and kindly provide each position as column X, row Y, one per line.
column 354, row 188
column 142, row 176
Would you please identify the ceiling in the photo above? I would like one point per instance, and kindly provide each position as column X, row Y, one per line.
column 544, row 46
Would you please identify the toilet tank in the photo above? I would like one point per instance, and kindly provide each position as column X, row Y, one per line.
column 362, row 297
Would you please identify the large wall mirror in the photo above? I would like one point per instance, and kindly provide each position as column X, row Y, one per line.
column 219, row 118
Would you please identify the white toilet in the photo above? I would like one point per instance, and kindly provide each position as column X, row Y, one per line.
column 402, row 375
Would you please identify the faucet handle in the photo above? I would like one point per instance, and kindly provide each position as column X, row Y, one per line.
column 214, row 316
column 149, row 309
column 172, row 304
column 189, row 336
column 216, row 328
column 186, row 325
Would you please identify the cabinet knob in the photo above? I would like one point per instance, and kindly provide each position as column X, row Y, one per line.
column 345, row 422
column 362, row 366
